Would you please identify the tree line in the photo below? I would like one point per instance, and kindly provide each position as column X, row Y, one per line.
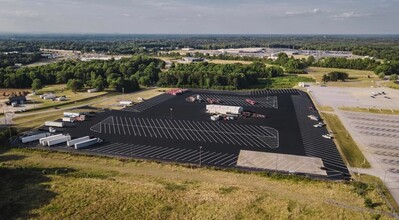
column 10, row 59
column 217, row 76
column 381, row 47
column 126, row 73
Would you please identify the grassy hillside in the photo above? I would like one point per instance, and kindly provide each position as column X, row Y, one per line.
column 44, row 185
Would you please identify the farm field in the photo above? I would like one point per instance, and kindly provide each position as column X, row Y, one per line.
column 357, row 78
column 48, row 185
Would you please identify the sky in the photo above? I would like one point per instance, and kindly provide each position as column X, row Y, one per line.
column 200, row 16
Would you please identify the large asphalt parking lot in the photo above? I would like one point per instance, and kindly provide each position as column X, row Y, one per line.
column 169, row 128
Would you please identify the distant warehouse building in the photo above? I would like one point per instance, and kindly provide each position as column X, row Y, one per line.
column 223, row 109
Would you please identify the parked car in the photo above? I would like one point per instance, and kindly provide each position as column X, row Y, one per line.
column 319, row 125
column 328, row 136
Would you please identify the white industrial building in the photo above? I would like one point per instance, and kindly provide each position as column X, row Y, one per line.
column 223, row 109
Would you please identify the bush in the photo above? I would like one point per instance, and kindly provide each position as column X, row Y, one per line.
column 360, row 188
column 393, row 77
column 5, row 134
column 381, row 75
column 368, row 203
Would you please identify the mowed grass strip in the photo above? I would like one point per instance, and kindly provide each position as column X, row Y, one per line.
column 372, row 110
column 287, row 81
column 50, row 185
column 28, row 122
column 325, row 108
column 347, row 146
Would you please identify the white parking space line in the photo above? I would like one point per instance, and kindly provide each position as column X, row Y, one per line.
column 220, row 132
column 128, row 127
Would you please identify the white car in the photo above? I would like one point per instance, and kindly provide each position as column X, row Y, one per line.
column 328, row 136
column 319, row 125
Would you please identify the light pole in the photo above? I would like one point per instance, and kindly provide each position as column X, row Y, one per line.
column 200, row 155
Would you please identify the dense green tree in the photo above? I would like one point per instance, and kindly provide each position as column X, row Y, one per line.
column 335, row 76
column 74, row 85
column 37, row 84
column 393, row 77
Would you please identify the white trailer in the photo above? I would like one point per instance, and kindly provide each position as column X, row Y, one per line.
column 77, row 140
column 54, row 124
column 125, row 102
column 59, row 140
column 34, row 137
column 46, row 94
column 224, row 109
column 62, row 98
column 71, row 114
column 48, row 97
column 87, row 143
column 43, row 141
column 92, row 90
column 67, row 119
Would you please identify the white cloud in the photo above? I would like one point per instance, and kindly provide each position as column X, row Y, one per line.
column 301, row 13
column 350, row 14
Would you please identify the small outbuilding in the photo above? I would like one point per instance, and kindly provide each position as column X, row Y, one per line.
column 16, row 100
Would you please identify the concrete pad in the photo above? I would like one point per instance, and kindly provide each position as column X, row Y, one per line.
column 281, row 162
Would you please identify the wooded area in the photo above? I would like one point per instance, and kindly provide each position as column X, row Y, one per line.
column 124, row 73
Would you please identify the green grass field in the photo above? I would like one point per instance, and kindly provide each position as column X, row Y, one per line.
column 372, row 110
column 60, row 90
column 46, row 185
column 287, row 81
column 357, row 78
column 347, row 146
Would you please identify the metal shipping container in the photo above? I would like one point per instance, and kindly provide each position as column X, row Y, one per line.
column 59, row 140
column 33, row 137
column 77, row 140
column 87, row 143
column 54, row 124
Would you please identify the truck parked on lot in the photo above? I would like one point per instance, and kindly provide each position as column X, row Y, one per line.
column 66, row 119
column 250, row 101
